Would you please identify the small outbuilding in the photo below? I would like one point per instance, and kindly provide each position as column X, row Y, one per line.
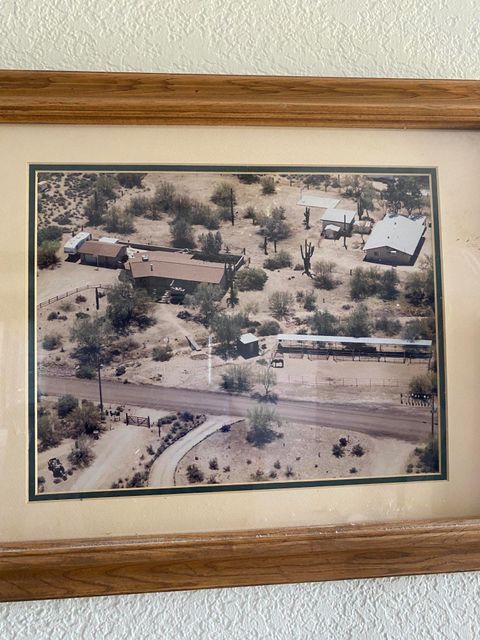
column 341, row 218
column 103, row 254
column 73, row 244
column 395, row 240
column 317, row 202
column 332, row 231
column 247, row 345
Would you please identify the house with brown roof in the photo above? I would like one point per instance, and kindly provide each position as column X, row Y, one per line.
column 161, row 270
column 103, row 253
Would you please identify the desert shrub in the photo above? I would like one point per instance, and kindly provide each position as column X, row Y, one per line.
column 423, row 384
column 85, row 371
column 237, row 378
column 289, row 473
column 81, row 454
column 225, row 428
column 364, row 282
column 66, row 404
column 119, row 371
column 213, row 464
column 130, row 180
column 138, row 206
column 419, row 329
column 323, row 323
column 357, row 450
column 323, row 274
column 117, row 221
column 53, row 315
column 211, row 243
column 81, row 315
column 182, row 234
column 280, row 303
column 268, row 185
column 358, row 324
column 338, row 451
column 343, row 442
column 251, row 279
column 48, row 432
column 224, row 195
column 269, row 328
column 248, row 178
column 163, row 353
column 353, row 470
column 47, row 254
column 66, row 307
column 261, row 420
column 63, row 219
column 80, row 299
column 389, row 326
column 428, row 457
column 277, row 464
column 279, row 260
column 194, row 474
column 249, row 213
column 309, row 301
column 51, row 342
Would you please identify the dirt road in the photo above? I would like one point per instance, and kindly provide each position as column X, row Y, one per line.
column 395, row 421
column 162, row 473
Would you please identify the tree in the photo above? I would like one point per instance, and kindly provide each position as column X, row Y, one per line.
column 267, row 379
column 47, row 254
column 48, row 432
column 92, row 337
column 105, row 186
column 95, row 209
column 206, row 298
column 309, row 301
column 364, row 282
column 251, row 279
column 248, row 178
column 194, row 474
column 164, row 197
column 360, row 189
column 420, row 329
column 182, row 234
column 280, row 303
column 323, row 323
column 51, row 233
column 85, row 419
column 275, row 228
column 403, row 192
column 388, row 285
column 138, row 206
column 429, row 457
column 358, row 323
column 117, row 221
column 211, row 243
column 323, row 274
column 261, row 420
column 162, row 353
column 268, row 185
column 237, row 378
column 423, row 384
column 226, row 329
column 66, row 404
column 224, row 195
column 389, row 326
column 128, row 305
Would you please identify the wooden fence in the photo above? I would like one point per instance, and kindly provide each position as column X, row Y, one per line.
column 61, row 296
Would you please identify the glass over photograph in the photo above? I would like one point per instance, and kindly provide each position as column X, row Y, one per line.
column 206, row 328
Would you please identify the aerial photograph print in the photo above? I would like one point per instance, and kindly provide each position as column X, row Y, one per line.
column 197, row 328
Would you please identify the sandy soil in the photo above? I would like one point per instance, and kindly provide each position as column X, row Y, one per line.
column 379, row 381
column 307, row 450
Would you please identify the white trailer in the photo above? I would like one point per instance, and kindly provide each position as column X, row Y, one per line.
column 73, row 245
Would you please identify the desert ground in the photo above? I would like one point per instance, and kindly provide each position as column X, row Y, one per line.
column 305, row 448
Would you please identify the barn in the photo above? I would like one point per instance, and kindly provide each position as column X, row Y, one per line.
column 395, row 240
column 103, row 254
column 162, row 270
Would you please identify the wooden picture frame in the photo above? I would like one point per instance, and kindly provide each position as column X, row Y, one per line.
column 106, row 566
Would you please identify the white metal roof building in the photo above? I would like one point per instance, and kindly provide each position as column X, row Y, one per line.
column 73, row 244
column 395, row 239
column 293, row 337
column 318, row 202
column 338, row 216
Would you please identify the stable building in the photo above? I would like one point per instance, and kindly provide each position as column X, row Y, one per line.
column 163, row 270
column 342, row 219
column 103, row 253
column 317, row 202
column 395, row 240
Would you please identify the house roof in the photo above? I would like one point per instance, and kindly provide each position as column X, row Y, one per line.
column 104, row 249
column 339, row 216
column 318, row 202
column 177, row 266
column 396, row 232
column 292, row 337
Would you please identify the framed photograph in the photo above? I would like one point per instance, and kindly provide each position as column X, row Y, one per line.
column 236, row 354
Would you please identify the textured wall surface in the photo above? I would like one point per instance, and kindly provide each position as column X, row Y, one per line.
column 411, row 38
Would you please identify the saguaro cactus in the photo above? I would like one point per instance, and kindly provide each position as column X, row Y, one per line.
column 230, row 281
column 307, row 253
column 306, row 218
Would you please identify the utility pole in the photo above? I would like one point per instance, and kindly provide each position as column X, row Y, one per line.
column 232, row 212
column 345, row 231
column 100, row 389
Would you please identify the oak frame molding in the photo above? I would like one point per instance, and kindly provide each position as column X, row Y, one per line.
column 108, row 566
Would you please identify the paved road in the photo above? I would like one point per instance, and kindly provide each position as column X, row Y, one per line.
column 395, row 421
column 162, row 473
